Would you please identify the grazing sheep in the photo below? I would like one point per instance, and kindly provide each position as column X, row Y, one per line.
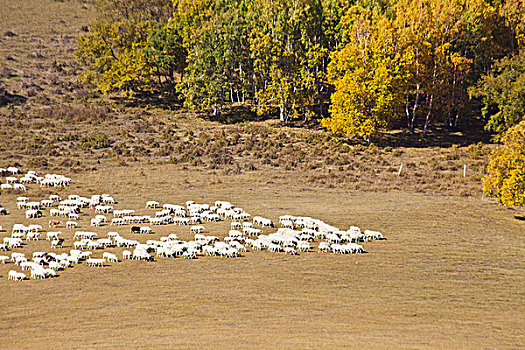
column 54, row 265
column 16, row 276
column 13, row 242
column 11, row 179
column 105, row 209
column 106, row 199
column 287, row 224
column 38, row 254
column 38, row 273
column 93, row 245
column 117, row 221
column 57, row 243
column 6, row 187
column 373, row 235
column 152, row 204
column 272, row 247
column 105, row 242
column 12, row 170
column 235, row 225
column 95, row 222
column 324, row 247
column 19, row 187
column 290, row 250
column 197, row 229
column 304, row 246
column 33, row 236
column 92, row 262
column 55, row 223
column 141, row 254
column 189, row 255
column 33, row 214
column 109, row 257
column 71, row 224
column 145, row 230
column 73, row 216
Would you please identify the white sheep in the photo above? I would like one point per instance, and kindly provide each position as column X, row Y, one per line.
column 287, row 224
column 93, row 245
column 324, row 247
column 110, row 257
column 290, row 250
column 6, row 187
column 56, row 243
column 117, row 221
column 12, row 170
column 33, row 236
column 272, row 247
column 373, row 235
column 105, row 242
column 33, row 214
column 146, row 230
column 197, row 229
column 304, row 246
column 54, row 265
column 92, row 262
column 71, row 224
column 235, row 225
column 152, row 204
column 19, row 187
column 141, row 254
column 11, row 179
column 16, row 276
column 126, row 254
column 73, row 216
column 38, row 273
column 13, row 242
column 95, row 222
column 38, row 254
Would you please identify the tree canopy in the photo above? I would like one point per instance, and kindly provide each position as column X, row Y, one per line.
column 357, row 66
column 505, row 178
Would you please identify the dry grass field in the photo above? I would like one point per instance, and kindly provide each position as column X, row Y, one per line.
column 450, row 275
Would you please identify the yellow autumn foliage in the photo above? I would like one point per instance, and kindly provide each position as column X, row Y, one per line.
column 365, row 74
column 505, row 179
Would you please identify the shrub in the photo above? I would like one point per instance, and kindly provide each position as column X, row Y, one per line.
column 505, row 178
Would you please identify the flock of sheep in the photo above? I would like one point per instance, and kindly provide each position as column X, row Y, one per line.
column 296, row 233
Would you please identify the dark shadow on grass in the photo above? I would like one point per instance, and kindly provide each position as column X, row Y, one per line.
column 7, row 98
column 236, row 114
column 469, row 133
column 164, row 101
column 519, row 217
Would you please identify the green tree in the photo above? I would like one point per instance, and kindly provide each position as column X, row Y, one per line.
column 216, row 37
column 503, row 94
column 166, row 54
column 288, row 52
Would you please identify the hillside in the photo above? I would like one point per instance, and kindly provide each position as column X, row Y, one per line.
column 450, row 273
column 64, row 125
